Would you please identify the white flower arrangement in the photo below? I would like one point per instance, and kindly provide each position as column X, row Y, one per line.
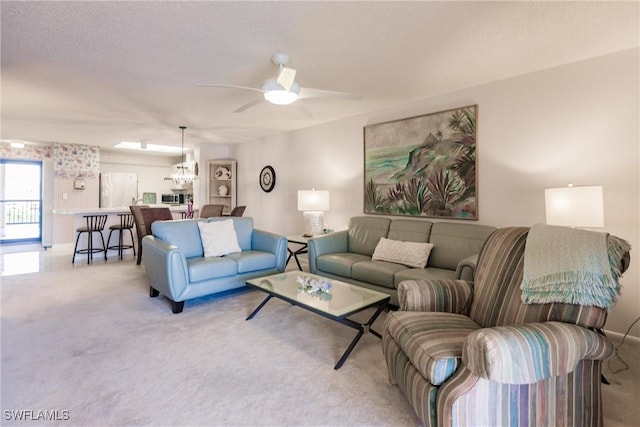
column 319, row 287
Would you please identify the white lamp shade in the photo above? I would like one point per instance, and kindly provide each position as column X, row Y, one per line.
column 313, row 201
column 575, row 206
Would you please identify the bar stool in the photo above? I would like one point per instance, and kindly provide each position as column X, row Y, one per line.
column 126, row 223
column 95, row 224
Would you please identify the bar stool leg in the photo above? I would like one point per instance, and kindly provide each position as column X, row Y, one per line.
column 90, row 248
column 120, row 249
column 75, row 248
column 104, row 247
column 133, row 243
column 109, row 239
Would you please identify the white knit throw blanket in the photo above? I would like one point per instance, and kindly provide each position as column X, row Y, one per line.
column 567, row 265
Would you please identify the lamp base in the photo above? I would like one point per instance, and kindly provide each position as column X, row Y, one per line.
column 313, row 224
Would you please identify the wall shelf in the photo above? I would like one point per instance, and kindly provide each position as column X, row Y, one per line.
column 221, row 183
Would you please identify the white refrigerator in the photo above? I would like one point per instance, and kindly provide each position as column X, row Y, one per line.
column 118, row 189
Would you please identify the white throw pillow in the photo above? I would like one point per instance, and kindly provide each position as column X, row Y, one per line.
column 411, row 254
column 218, row 238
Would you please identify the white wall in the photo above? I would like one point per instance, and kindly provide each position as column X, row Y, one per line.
column 576, row 123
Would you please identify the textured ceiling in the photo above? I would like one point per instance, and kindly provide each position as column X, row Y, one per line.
column 103, row 72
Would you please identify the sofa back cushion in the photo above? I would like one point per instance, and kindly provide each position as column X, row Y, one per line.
column 452, row 242
column 407, row 230
column 183, row 234
column 244, row 229
column 365, row 232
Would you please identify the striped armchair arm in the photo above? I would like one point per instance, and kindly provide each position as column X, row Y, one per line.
column 525, row 354
column 443, row 295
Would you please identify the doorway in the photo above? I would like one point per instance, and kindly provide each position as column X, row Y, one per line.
column 20, row 201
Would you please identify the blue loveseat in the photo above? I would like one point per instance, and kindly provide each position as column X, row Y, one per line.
column 176, row 267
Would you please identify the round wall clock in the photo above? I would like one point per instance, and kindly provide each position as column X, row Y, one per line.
column 267, row 179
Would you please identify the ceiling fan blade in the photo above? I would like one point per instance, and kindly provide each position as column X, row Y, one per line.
column 249, row 105
column 255, row 89
column 319, row 93
column 302, row 106
column 286, row 78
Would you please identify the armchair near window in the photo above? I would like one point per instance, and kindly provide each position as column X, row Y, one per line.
column 469, row 353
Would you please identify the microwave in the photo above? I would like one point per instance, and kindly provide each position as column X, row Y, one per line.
column 176, row 199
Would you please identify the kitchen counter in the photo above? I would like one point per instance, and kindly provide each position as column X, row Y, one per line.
column 117, row 210
column 112, row 219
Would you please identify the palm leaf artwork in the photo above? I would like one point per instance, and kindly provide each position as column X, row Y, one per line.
column 423, row 166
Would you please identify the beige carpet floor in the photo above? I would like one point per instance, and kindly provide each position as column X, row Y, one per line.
column 90, row 341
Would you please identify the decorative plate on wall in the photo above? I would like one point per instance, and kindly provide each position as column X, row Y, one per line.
column 267, row 179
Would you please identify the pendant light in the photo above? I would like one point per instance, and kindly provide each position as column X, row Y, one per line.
column 182, row 176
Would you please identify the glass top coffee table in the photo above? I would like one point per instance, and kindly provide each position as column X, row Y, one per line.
column 342, row 301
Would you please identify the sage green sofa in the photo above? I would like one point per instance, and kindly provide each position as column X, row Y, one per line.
column 347, row 255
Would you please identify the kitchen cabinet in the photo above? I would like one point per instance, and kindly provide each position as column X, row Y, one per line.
column 221, row 184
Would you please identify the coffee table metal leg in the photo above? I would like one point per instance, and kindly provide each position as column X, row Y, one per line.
column 362, row 329
column 295, row 255
column 254, row 312
column 349, row 350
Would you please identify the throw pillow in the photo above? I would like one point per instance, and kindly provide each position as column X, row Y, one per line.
column 411, row 254
column 218, row 238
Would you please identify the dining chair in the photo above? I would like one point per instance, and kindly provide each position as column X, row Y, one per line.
column 208, row 211
column 238, row 211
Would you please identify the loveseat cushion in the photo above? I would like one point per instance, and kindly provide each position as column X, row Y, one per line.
column 365, row 232
column 210, row 268
column 253, row 260
column 376, row 272
column 183, row 234
column 339, row 264
column 432, row 341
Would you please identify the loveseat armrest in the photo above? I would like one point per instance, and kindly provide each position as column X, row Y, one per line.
column 336, row 242
column 528, row 353
column 166, row 267
column 273, row 243
column 466, row 269
column 440, row 295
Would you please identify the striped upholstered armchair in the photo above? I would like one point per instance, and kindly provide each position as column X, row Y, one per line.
column 474, row 354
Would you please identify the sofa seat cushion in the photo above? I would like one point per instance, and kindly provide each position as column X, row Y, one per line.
column 423, row 274
column 376, row 272
column 339, row 264
column 432, row 341
column 201, row 268
column 253, row 260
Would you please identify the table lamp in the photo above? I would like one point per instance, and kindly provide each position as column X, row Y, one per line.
column 313, row 204
column 572, row 206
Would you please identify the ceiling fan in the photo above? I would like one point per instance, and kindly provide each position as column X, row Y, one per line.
column 284, row 90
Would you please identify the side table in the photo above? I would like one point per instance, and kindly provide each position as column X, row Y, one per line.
column 301, row 240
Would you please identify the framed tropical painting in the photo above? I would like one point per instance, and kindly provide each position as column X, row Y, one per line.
column 422, row 166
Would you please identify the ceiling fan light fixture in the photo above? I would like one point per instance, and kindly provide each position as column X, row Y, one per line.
column 276, row 94
column 280, row 96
